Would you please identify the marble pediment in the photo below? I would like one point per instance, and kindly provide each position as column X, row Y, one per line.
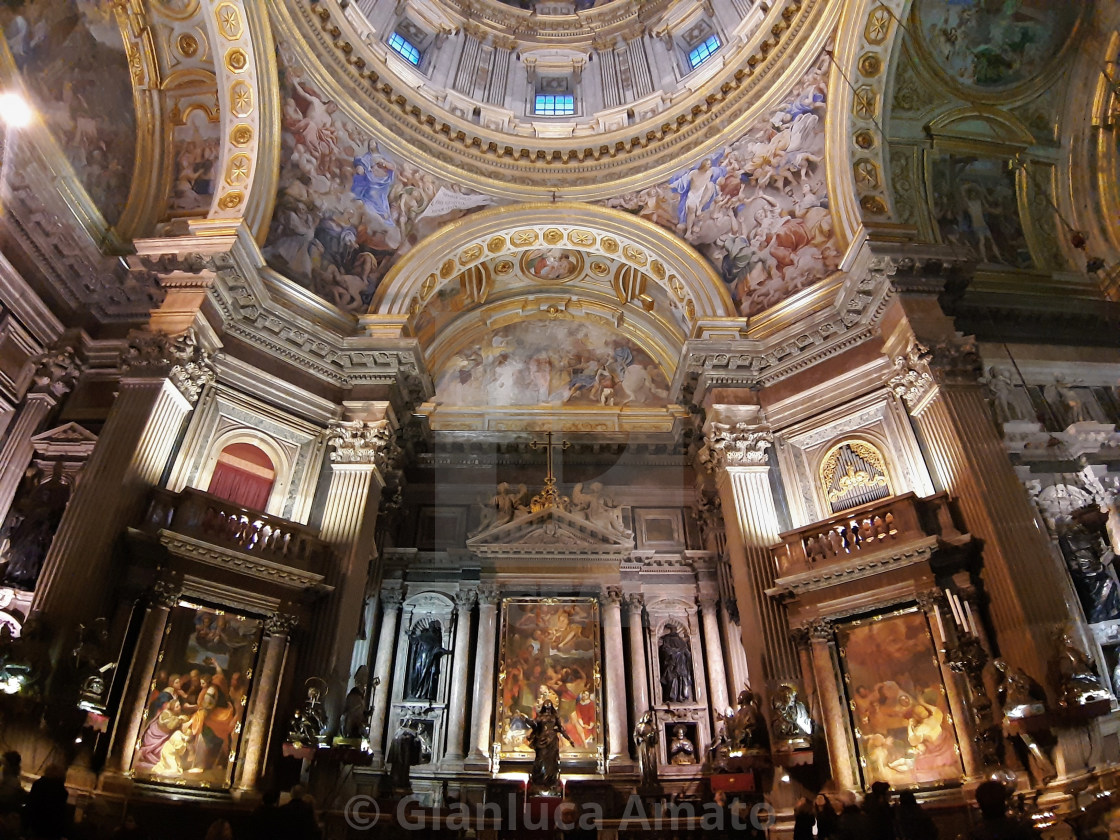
column 549, row 533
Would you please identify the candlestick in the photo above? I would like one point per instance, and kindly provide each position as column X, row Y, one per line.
column 940, row 626
column 971, row 620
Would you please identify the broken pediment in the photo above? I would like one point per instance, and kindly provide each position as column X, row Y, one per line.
column 550, row 532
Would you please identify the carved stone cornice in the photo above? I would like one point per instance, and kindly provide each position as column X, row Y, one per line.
column 56, row 371
column 178, row 358
column 363, row 442
column 735, row 445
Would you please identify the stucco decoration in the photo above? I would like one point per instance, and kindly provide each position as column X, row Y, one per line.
column 984, row 45
column 72, row 57
column 555, row 363
column 758, row 207
column 346, row 209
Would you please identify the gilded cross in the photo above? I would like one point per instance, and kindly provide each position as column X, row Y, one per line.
column 548, row 497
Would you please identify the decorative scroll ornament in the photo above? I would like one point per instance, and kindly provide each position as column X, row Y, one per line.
column 738, row 445
column 179, row 358
column 363, row 442
column 56, row 371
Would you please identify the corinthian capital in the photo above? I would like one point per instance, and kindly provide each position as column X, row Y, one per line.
column 912, row 379
column 362, row 442
column 179, row 358
column 56, row 371
column 735, row 445
column 922, row 367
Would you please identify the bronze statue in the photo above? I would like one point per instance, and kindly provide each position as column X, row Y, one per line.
column 1078, row 682
column 746, row 729
column 1088, row 557
column 545, row 732
column 681, row 748
column 409, row 748
column 792, row 722
column 425, row 650
column 676, row 667
column 645, row 743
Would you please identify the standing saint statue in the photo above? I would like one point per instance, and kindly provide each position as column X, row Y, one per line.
column 545, row 732
column 676, row 667
column 645, row 743
column 424, row 653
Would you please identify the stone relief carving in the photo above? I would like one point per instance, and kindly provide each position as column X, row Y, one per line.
column 598, row 508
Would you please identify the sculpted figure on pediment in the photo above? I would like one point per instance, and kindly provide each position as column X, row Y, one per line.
column 598, row 508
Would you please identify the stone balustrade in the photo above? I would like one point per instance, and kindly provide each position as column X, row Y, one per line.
column 201, row 516
column 884, row 524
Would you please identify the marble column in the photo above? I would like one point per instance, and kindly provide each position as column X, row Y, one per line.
column 639, row 675
column 736, row 451
column 615, row 693
column 383, row 672
column 717, row 673
column 164, row 595
column 732, row 635
column 958, row 706
column 484, row 657
column 361, row 451
column 940, row 387
column 54, row 376
column 162, row 378
column 841, row 752
column 258, row 717
column 457, row 701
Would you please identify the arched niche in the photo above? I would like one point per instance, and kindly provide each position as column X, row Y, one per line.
column 240, row 440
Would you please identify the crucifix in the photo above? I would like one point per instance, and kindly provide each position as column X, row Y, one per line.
column 548, row 497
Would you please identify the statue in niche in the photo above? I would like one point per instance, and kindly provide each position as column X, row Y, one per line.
column 1089, row 558
column 499, row 508
column 645, row 743
column 351, row 724
column 425, row 650
column 31, row 526
column 598, row 508
column 1002, row 390
column 1078, row 683
column 544, row 734
column 409, row 747
column 681, row 749
column 745, row 729
column 792, row 722
column 675, row 659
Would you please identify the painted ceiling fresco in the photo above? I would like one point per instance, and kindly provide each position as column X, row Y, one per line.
column 555, row 362
column 758, row 207
column 347, row 209
column 984, row 44
column 72, row 57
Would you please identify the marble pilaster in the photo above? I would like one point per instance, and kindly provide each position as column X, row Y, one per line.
column 258, row 717
column 615, row 692
column 457, row 707
column 383, row 672
column 485, row 654
column 162, row 378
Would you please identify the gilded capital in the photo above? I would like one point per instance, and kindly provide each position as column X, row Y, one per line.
column 362, row 442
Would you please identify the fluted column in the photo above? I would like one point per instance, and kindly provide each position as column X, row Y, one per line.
column 164, row 595
column 841, row 752
column 383, row 672
column 258, row 717
column 1024, row 582
column 736, row 451
column 615, row 693
column 55, row 374
column 457, row 711
column 162, row 378
column 361, row 452
column 717, row 673
column 639, row 678
column 484, row 656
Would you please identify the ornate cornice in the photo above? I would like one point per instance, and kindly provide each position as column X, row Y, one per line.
column 179, row 358
column 363, row 442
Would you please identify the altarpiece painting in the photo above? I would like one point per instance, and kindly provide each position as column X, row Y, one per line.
column 550, row 650
column 195, row 707
column 900, row 714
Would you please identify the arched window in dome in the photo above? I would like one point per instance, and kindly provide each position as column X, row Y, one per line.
column 244, row 475
column 853, row 473
column 703, row 51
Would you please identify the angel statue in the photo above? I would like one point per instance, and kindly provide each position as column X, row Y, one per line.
column 499, row 508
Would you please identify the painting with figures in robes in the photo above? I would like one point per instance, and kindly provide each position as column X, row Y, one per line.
column 900, row 714
column 550, row 651
column 195, row 706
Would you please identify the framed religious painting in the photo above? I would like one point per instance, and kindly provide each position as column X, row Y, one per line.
column 900, row 715
column 194, row 710
column 550, row 651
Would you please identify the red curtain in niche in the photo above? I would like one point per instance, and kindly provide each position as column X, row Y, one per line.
column 243, row 475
